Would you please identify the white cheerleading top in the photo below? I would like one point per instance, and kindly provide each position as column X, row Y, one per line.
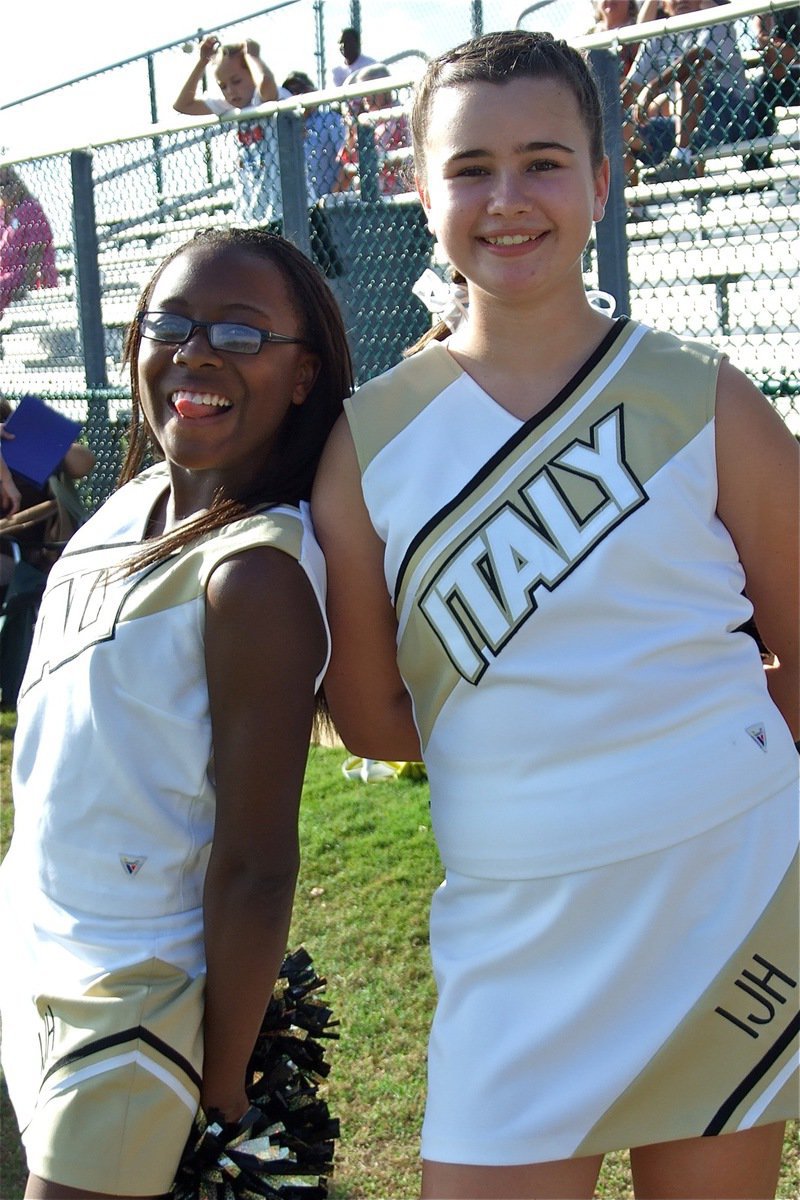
column 568, row 608
column 112, row 772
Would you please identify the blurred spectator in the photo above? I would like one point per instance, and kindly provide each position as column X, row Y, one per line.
column 778, row 83
column 325, row 133
column 390, row 132
column 46, row 517
column 297, row 83
column 702, row 73
column 76, row 464
column 9, row 492
column 354, row 60
column 245, row 81
column 27, row 256
column 617, row 14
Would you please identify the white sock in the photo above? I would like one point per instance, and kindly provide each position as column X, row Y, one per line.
column 682, row 153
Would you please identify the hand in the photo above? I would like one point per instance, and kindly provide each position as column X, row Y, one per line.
column 252, row 48
column 9, row 492
column 229, row 1112
column 208, row 48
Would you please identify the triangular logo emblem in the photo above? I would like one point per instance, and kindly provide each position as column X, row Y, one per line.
column 132, row 866
column 759, row 735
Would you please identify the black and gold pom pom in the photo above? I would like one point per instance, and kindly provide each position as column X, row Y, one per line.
column 283, row 1146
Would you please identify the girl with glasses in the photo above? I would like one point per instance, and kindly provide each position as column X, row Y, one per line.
column 164, row 724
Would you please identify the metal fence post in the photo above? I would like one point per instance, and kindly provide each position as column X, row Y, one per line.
column 319, row 33
column 294, row 194
column 612, row 242
column 368, row 165
column 151, row 83
column 87, row 271
column 477, row 18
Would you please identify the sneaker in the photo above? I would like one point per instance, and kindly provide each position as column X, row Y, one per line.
column 375, row 770
column 669, row 170
column 368, row 770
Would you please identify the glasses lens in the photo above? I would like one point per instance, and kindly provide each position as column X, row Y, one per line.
column 166, row 327
column 241, row 339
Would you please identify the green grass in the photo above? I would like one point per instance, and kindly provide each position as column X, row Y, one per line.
column 369, row 867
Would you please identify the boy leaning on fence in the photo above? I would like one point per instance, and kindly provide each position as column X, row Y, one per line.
column 245, row 81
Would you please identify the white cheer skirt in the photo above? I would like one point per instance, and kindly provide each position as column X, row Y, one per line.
column 652, row 999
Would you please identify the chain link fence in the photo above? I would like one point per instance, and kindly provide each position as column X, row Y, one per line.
column 707, row 164
column 704, row 243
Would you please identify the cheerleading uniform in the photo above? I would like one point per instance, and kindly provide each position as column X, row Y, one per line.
column 101, row 891
column 602, row 751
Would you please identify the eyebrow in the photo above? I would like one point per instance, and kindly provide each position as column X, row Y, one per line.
column 259, row 313
column 528, row 148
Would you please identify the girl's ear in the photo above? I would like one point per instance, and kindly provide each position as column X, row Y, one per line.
column 305, row 376
column 424, row 198
column 602, row 181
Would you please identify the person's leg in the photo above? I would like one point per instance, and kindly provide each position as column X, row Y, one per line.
column 567, row 1179
column 45, row 1189
column 733, row 1166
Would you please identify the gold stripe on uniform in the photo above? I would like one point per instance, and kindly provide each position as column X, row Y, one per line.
column 732, row 1062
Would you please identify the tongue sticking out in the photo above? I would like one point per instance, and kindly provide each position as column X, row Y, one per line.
column 192, row 410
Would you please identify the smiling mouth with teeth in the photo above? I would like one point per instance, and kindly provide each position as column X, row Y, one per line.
column 199, row 404
column 510, row 239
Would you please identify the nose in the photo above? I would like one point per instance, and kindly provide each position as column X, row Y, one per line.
column 197, row 350
column 509, row 193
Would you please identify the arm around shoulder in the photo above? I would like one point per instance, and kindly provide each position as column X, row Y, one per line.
column 265, row 644
column 758, row 467
column 370, row 705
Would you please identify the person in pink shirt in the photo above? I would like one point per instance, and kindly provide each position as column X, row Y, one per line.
column 27, row 255
column 391, row 133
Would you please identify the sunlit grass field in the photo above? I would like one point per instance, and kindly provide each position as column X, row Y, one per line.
column 369, row 867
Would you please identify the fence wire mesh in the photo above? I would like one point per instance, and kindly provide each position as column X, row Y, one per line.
column 701, row 236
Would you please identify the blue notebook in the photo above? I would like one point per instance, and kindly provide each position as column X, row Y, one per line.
column 42, row 437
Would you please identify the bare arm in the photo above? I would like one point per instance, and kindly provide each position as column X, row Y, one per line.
column 23, row 257
column 187, row 100
column 758, row 464
column 777, row 53
column 78, row 461
column 369, row 702
column 265, row 644
column 263, row 78
column 680, row 71
column 9, row 492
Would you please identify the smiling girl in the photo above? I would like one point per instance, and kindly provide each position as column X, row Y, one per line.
column 164, row 724
column 538, row 530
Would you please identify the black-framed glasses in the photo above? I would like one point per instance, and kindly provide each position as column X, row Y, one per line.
column 222, row 335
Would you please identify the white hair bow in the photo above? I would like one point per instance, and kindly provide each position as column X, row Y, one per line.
column 602, row 301
column 448, row 301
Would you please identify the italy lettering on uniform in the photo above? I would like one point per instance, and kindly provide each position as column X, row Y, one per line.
column 78, row 611
column 533, row 537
